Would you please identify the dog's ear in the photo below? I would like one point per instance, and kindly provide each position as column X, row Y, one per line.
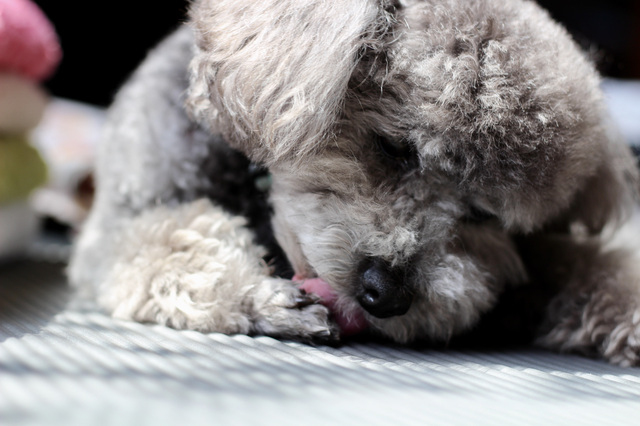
column 516, row 117
column 593, row 186
column 609, row 196
column 271, row 75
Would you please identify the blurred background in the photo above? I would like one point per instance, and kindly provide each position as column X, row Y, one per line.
column 103, row 42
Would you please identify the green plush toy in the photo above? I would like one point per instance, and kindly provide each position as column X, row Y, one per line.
column 21, row 169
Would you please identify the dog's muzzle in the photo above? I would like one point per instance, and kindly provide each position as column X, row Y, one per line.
column 383, row 291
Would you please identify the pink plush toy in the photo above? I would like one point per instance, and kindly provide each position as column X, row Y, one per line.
column 28, row 43
column 29, row 52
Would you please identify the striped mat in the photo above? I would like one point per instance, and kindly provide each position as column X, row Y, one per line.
column 61, row 364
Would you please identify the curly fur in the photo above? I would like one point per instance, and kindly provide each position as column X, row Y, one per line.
column 462, row 143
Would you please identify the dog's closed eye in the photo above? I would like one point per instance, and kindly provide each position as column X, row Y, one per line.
column 397, row 150
column 477, row 216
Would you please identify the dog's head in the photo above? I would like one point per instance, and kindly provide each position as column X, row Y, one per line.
column 409, row 141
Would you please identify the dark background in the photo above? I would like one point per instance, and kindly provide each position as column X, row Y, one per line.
column 104, row 41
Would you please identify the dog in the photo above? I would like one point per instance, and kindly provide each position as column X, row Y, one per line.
column 422, row 169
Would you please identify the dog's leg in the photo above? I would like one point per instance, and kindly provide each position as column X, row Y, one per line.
column 150, row 252
column 196, row 267
column 597, row 310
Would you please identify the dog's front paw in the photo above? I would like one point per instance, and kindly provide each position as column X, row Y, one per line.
column 606, row 327
column 282, row 310
column 622, row 344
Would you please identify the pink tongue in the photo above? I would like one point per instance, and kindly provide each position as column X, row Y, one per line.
column 350, row 323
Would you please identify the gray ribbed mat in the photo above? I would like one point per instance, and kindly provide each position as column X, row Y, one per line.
column 60, row 365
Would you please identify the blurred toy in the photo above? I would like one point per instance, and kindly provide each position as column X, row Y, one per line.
column 29, row 53
column 66, row 138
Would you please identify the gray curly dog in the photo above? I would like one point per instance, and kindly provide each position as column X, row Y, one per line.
column 439, row 168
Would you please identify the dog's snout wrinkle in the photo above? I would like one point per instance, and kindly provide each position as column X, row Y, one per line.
column 382, row 289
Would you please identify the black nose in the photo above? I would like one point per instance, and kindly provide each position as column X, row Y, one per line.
column 382, row 289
